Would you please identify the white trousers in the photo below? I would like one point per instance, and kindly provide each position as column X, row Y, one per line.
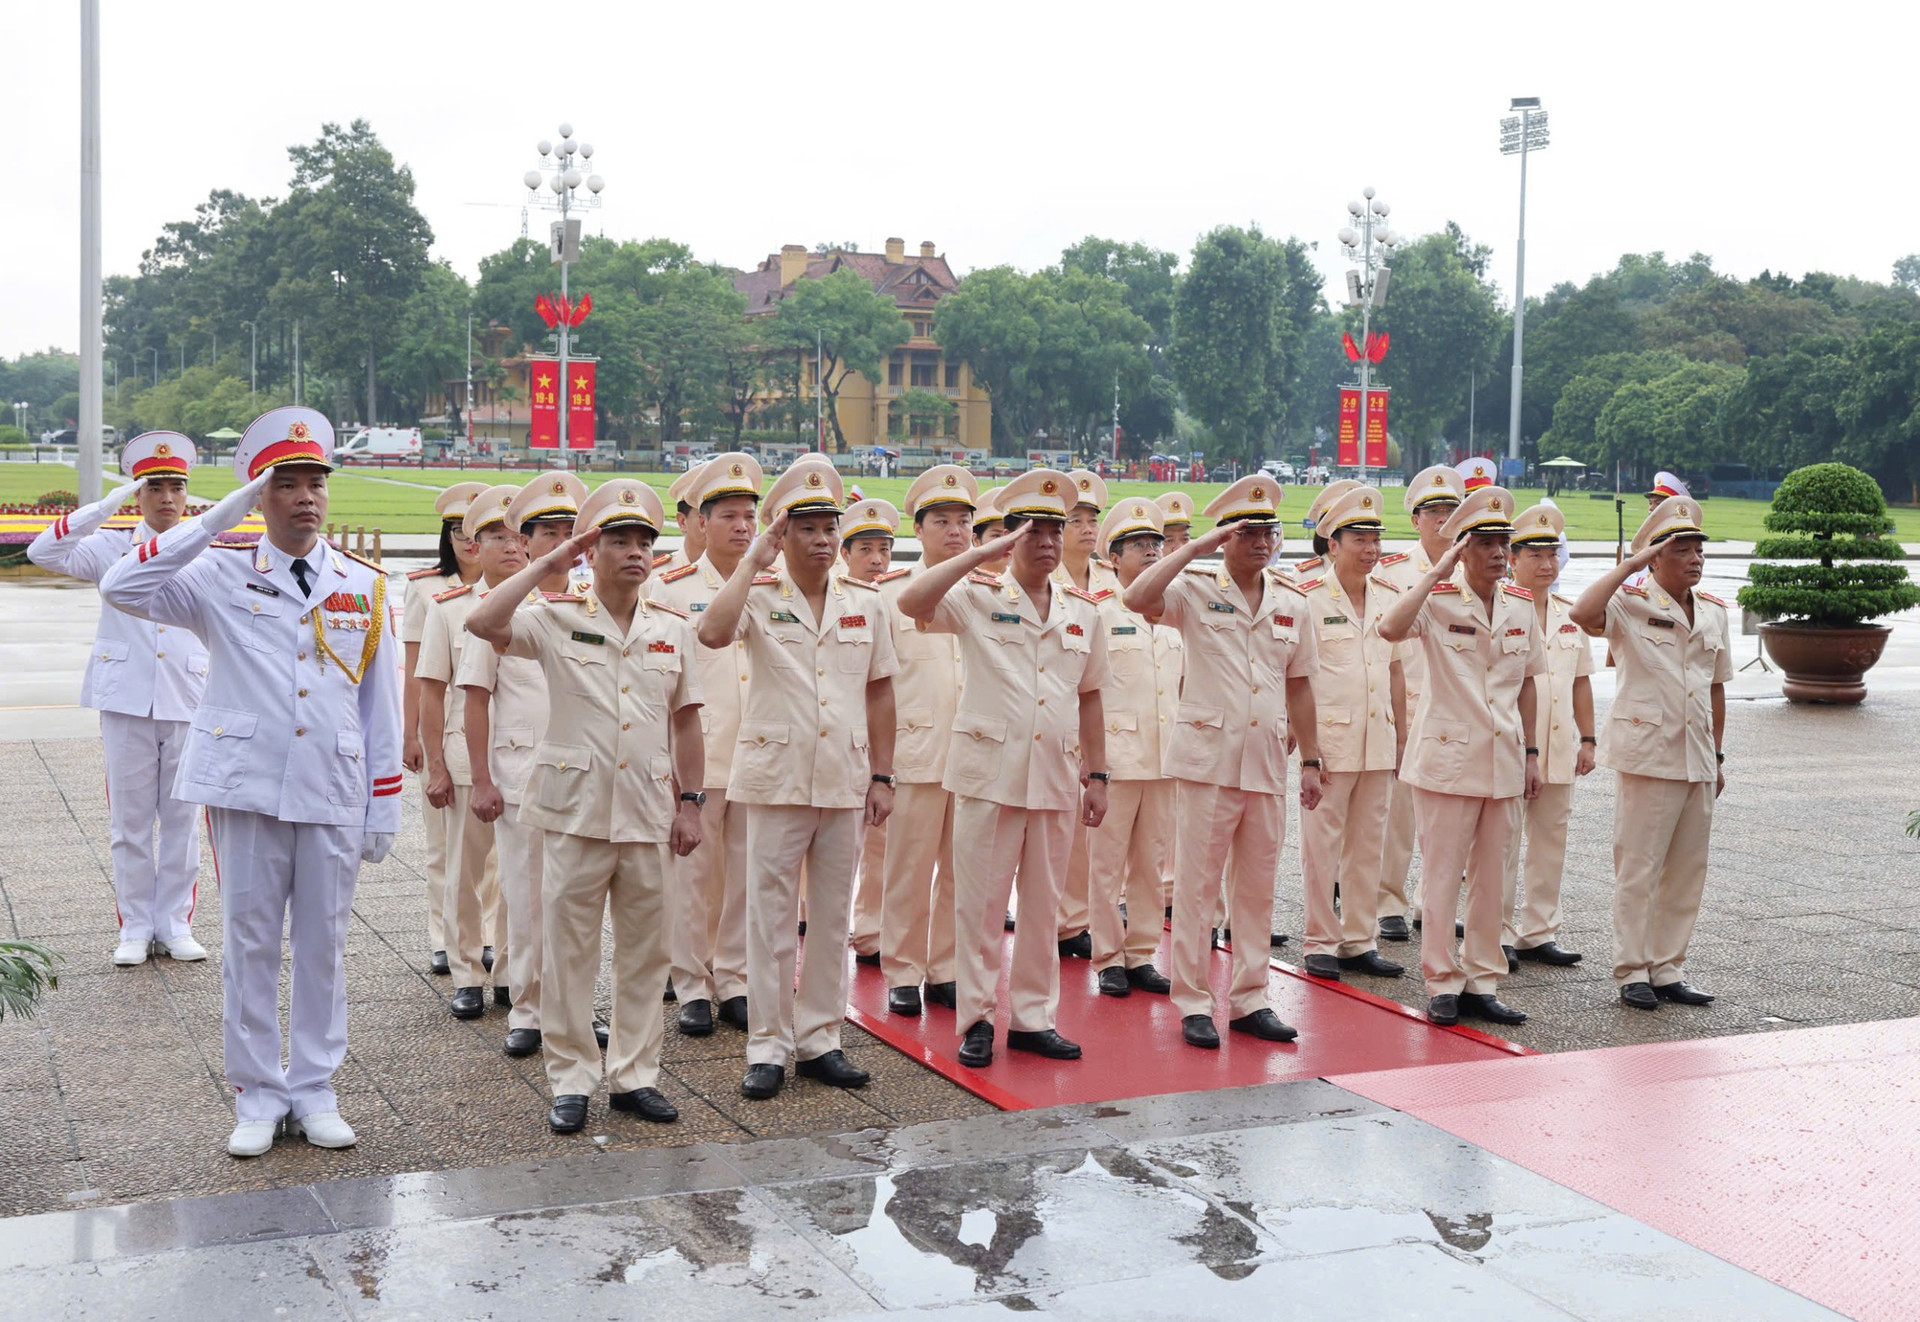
column 519, row 849
column 869, row 885
column 916, row 905
column 1126, row 854
column 707, row 908
column 1213, row 822
column 1340, row 845
column 300, row 876
column 154, row 886
column 995, row 842
column 1463, row 840
column 780, row 837
column 435, row 820
column 464, row 907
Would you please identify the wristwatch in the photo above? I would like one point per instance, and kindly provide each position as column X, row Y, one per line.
column 697, row 800
column 879, row 779
column 1313, row 762
column 1105, row 777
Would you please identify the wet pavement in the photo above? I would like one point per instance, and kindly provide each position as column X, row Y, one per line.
column 1301, row 1200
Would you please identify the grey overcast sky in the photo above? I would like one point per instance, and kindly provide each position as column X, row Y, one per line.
column 1765, row 135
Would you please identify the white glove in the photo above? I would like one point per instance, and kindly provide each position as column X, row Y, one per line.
column 89, row 517
column 230, row 509
column 375, row 845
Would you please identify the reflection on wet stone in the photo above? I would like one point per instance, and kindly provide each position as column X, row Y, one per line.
column 1468, row 1233
column 931, row 1209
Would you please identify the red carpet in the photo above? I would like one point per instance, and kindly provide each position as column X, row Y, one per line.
column 1134, row 1049
column 1790, row 1154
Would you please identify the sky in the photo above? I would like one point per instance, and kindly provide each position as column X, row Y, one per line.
column 1000, row 132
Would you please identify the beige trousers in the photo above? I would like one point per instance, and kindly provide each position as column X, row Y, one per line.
column 1126, row 853
column 780, row 837
column 1341, row 843
column 1461, row 834
column 707, row 909
column 916, row 910
column 435, row 820
column 998, row 841
column 582, row 879
column 1535, row 920
column 1396, row 862
column 520, row 851
column 1213, row 821
column 463, row 908
column 869, row 887
column 1075, row 884
column 1660, row 834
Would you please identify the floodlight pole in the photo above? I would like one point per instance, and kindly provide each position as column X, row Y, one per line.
column 91, row 327
column 1521, row 135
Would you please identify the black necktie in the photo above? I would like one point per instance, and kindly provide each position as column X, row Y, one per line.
column 300, row 571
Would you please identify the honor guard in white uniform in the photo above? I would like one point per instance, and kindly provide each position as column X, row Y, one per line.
column 1081, row 567
column 867, row 530
column 1476, row 473
column 1665, row 487
column 1562, row 731
column 813, row 764
column 708, row 905
column 506, row 717
column 1665, row 738
column 1467, row 757
column 623, row 729
column 1130, row 851
column 458, row 562
column 1250, row 656
column 1176, row 511
column 1430, row 500
column 296, row 751
column 1359, row 703
column 145, row 680
column 916, row 907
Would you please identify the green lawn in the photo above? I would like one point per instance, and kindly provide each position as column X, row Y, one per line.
column 400, row 500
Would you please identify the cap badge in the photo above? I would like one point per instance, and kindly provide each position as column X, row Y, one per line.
column 1494, row 504
column 1439, row 479
column 1085, row 485
column 162, row 450
column 1048, row 487
column 1139, row 511
column 298, row 432
column 559, row 488
column 627, row 497
column 1544, row 520
column 1258, row 493
column 952, row 481
column 506, row 500
column 813, row 479
column 1366, row 502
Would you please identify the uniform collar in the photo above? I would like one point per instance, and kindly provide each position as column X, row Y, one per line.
column 326, row 562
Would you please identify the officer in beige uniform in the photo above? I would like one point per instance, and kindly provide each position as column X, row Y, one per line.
column 814, row 761
column 867, row 531
column 1081, row 567
column 1430, row 500
column 623, row 728
column 458, row 562
column 1176, row 511
column 708, row 905
column 1029, row 732
column 686, row 513
column 1562, row 731
column 1250, row 655
column 1129, row 851
column 1316, row 564
column 988, row 526
column 506, row 717
column 1665, row 734
column 1467, row 756
column 1359, row 702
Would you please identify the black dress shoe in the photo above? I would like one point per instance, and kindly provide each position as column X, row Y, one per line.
column 834, row 1070
column 1444, row 1010
column 1009, row 923
column 1077, row 947
column 696, row 1018
column 1681, row 994
column 942, row 993
column 1275, row 940
column 569, row 1113
column 1149, row 979
column 1513, row 958
column 486, row 958
column 1394, row 928
column 439, row 964
column 1373, row 963
column 503, row 998
column 871, row 961
column 600, row 1033
column 1480, row 1005
column 1213, row 938
column 1548, row 952
column 468, row 1002
column 522, row 1041
column 1169, row 914
column 1323, row 966
column 903, row 1000
column 1639, row 996
column 647, row 1103
column 763, row 1081
column 1113, row 982
column 1264, row 1024
column 976, row 1048
column 1459, row 930
column 669, row 996
column 733, row 1012
column 1198, row 1030
column 803, row 927
column 1042, row 1042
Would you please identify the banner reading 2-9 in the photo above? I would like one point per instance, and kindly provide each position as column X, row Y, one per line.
column 1348, row 455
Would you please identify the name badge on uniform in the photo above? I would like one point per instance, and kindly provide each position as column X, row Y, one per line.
column 1659, row 622
column 1225, row 608
column 263, row 589
column 696, row 607
column 1124, row 628
column 1002, row 617
column 783, row 617
column 1335, row 619
column 579, row 637
column 1467, row 629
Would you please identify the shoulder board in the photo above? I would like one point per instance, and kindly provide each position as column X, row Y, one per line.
column 675, row 575
column 1386, row 583
column 985, row 580
column 892, row 574
column 1083, row 594
column 1289, row 585
column 1629, row 588
column 1710, row 597
column 1515, row 590
column 374, row 565
column 451, row 593
column 1393, row 559
column 562, row 596
column 861, row 583
column 432, row 571
column 1101, row 561
column 662, row 558
column 1446, row 587
column 1307, row 586
column 1306, row 566
column 233, row 546
column 765, row 580
column 1201, row 570
column 662, row 606
column 1562, row 598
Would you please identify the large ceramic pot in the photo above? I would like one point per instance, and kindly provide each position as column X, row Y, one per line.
column 1825, row 665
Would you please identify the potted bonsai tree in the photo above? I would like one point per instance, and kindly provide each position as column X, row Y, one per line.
column 1831, row 522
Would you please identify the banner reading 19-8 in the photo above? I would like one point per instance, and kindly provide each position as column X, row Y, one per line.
column 545, row 394
column 1348, row 455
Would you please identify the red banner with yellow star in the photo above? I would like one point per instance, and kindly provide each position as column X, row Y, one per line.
column 580, row 405
column 543, row 395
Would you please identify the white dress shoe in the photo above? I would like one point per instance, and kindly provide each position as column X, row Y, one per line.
column 251, row 1138
column 184, row 949
column 129, row 953
column 324, row 1129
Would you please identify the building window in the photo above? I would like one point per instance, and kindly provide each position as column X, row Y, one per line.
column 953, row 376
column 893, row 370
column 925, row 371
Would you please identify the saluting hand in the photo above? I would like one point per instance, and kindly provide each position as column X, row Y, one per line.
column 1449, row 558
column 767, row 546
column 1216, row 537
column 562, row 556
column 996, row 547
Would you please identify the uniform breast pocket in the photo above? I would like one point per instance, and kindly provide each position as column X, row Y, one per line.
column 1336, row 729
column 347, row 775
column 1443, row 748
column 790, row 646
column 853, row 651
column 664, row 663
column 197, row 664
column 584, row 668
column 217, row 755
column 561, row 771
column 1074, row 642
column 912, row 642
column 109, row 665
column 254, row 618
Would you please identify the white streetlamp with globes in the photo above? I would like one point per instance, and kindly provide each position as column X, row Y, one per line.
column 1368, row 242
column 561, row 170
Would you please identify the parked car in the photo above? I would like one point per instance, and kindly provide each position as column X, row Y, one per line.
column 379, row 443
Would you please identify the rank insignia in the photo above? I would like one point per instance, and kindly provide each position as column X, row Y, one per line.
column 853, row 621
column 662, row 648
column 1076, row 631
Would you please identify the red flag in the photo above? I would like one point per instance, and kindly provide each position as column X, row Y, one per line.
column 544, row 306
column 1353, row 350
column 580, row 313
column 580, row 405
column 1376, row 347
column 543, row 394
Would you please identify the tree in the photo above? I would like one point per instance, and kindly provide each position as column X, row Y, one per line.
column 1671, row 420
column 1583, row 399
column 430, row 340
column 1879, row 410
column 855, row 328
column 1146, row 277
column 1906, row 272
column 911, row 406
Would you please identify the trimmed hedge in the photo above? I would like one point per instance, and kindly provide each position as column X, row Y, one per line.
column 1836, row 515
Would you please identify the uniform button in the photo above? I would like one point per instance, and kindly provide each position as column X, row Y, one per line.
column 823, row 670
column 626, row 725
column 1556, row 725
column 256, row 610
column 160, row 628
column 1036, row 739
column 626, row 651
column 823, row 702
column 1042, row 702
column 823, row 734
column 1256, row 688
column 741, row 643
column 1161, row 692
column 563, row 766
column 1636, row 720
column 301, row 731
column 303, row 656
column 1443, row 739
column 760, row 739
column 743, row 679
column 623, row 766
column 1371, row 689
column 303, row 693
column 1329, row 720
column 160, row 655
column 219, row 729
column 1043, row 670
column 623, row 688
column 1253, row 722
